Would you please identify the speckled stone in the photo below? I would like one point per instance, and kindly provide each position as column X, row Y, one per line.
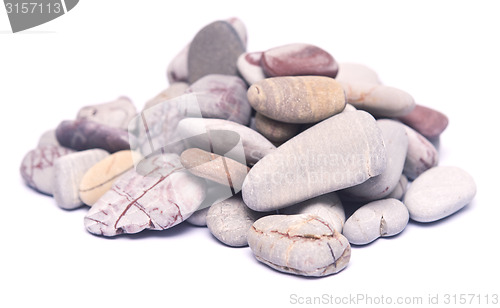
column 421, row 155
column 117, row 113
column 427, row 121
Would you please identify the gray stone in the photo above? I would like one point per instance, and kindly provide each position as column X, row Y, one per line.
column 117, row 113
column 421, row 155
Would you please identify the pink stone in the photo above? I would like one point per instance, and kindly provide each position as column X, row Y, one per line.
column 427, row 121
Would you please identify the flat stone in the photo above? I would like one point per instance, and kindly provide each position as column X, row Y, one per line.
column 68, row 173
column 230, row 220
column 37, row 167
column 438, row 193
column 427, row 121
column 339, row 152
column 400, row 189
column 327, row 207
column 396, row 145
column 381, row 218
column 300, row 99
column 157, row 195
column 214, row 50
column 99, row 178
column 421, row 155
column 297, row 60
column 356, row 72
column 248, row 65
column 174, row 90
column 48, row 138
column 379, row 100
column 299, row 244
column 117, row 113
column 275, row 131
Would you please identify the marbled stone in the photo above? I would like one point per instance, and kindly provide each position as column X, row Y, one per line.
column 339, row 152
column 157, row 195
column 438, row 193
column 421, row 154
column 48, row 138
column 37, row 167
column 68, row 173
column 297, row 60
column 427, row 121
column 381, row 218
column 99, row 178
column 299, row 244
column 248, row 65
column 275, row 131
column 299, row 99
column 400, row 189
column 174, row 90
column 356, row 72
column 117, row 113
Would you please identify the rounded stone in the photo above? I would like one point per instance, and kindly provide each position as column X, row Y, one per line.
column 421, row 155
column 427, row 121
column 249, row 67
column 275, row 131
column 356, row 72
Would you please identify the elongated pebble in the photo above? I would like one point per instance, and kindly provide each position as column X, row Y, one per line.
column 249, row 67
column 421, row 155
column 117, row 113
column 299, row 244
column 68, row 173
column 438, row 193
column 275, row 131
column 427, row 121
column 356, row 72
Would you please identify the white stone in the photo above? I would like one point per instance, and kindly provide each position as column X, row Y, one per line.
column 400, row 189
column 356, row 72
column 421, row 155
column 117, row 113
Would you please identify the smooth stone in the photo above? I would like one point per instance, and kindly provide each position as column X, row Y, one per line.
column 298, row 99
column 298, row 59
column 199, row 218
column 255, row 145
column 379, row 100
column 214, row 50
column 438, row 193
column 328, row 207
column 230, row 220
column 240, row 29
column 339, row 152
column 275, row 131
column 248, row 65
column 220, row 169
column 68, row 173
column 37, row 167
column 356, row 72
column 174, row 90
column 396, row 145
column 381, row 218
column 421, row 155
column 157, row 195
column 48, row 138
column 100, row 177
column 84, row 135
column 427, row 121
column 299, row 244
column 117, row 113
column 400, row 189
column 222, row 97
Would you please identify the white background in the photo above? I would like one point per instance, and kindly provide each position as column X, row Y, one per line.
column 445, row 53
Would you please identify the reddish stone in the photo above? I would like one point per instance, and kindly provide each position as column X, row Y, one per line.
column 427, row 121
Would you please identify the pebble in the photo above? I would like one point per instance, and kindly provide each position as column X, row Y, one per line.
column 100, row 177
column 339, row 152
column 427, row 121
column 175, row 89
column 214, row 50
column 355, row 72
column 230, row 220
column 379, row 100
column 248, row 65
column 299, row 244
column 159, row 194
column 298, row 59
column 381, row 218
column 84, row 135
column 222, row 97
column 37, row 167
column 117, row 113
column 199, row 218
column 48, row 138
column 400, row 189
column 275, row 131
column 396, row 145
column 300, row 99
column 421, row 155
column 438, row 193
column 328, row 207
column 68, row 173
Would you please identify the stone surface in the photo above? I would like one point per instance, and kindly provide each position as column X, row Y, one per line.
column 68, row 173
column 117, row 113
column 230, row 220
column 327, row 207
column 297, row 60
column 356, row 72
column 214, row 50
column 37, row 167
column 400, row 189
column 248, row 65
column 99, row 178
column 340, row 152
column 199, row 218
column 84, row 135
column 300, row 99
column 48, row 138
column 379, row 100
column 381, row 218
column 275, row 131
column 427, row 121
column 396, row 145
column 222, row 97
column 240, row 29
column 174, row 90
column 299, row 244
column 157, row 195
column 438, row 193
column 421, row 154
column 177, row 70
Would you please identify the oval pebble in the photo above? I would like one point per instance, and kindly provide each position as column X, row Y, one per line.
column 249, row 67
column 299, row 244
column 275, row 131
column 117, row 113
column 427, row 121
column 421, row 155
column 376, row 219
column 355, row 72
column 438, row 193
